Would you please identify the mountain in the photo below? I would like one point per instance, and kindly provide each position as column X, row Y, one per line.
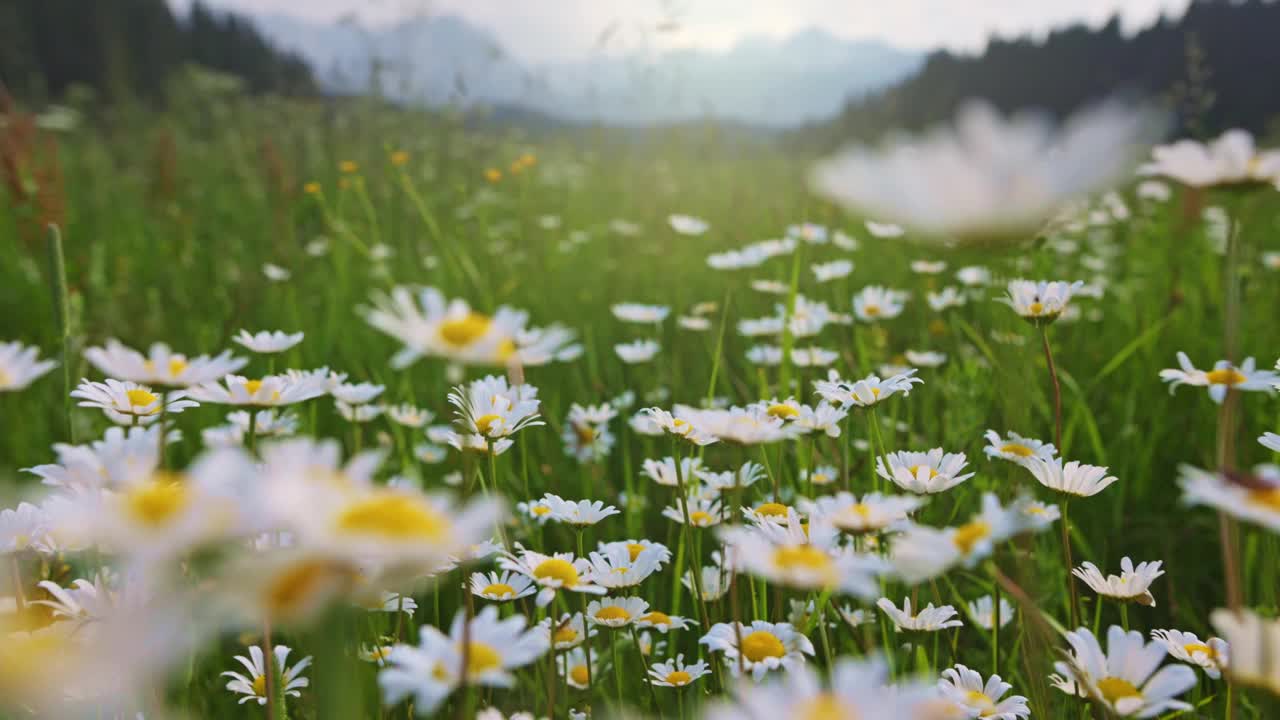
column 1207, row 67
column 443, row 59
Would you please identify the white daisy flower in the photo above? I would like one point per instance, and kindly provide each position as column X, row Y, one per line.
column 638, row 313
column 928, row 267
column 268, row 342
column 561, row 571
column 884, row 230
column 747, row 475
column 569, row 632
column 805, row 556
column 663, row 471
column 764, row 646
column 1040, row 301
column 663, row 622
column 160, row 366
column 1072, row 478
column 820, row 475
column 923, row 472
column 1255, row 502
column 676, row 673
column 620, row 565
column 980, row 700
column 501, row 587
column 921, row 553
column 714, row 578
column 1133, row 584
column 122, row 455
column 578, row 670
column 491, row 409
column 872, row 513
column 1124, row 679
column 1210, row 655
column 358, row 413
column 409, row 415
column 694, row 323
column 926, row 359
column 356, row 393
column 687, row 224
column 616, row 612
column 982, row 612
column 637, row 351
column 254, row 685
column 1254, row 643
column 1230, row 159
column 948, row 297
column 1270, row 441
column 973, row 276
column 834, row 270
column 20, row 366
column 1222, row 378
column 579, row 513
column 813, row 356
column 875, row 303
column 928, row 619
column 865, row 392
column 269, row 391
column 679, row 426
column 703, row 512
column 128, row 403
column 1016, row 448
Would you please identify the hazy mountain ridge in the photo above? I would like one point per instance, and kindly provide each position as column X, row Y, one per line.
column 807, row 76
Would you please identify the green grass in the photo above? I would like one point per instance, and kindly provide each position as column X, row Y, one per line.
column 170, row 216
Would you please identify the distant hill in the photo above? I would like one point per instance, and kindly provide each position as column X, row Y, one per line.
column 1214, row 68
column 130, row 47
column 443, row 59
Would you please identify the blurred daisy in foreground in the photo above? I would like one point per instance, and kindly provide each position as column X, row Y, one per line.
column 1016, row 172
column 764, row 646
column 979, row 700
column 676, row 673
column 254, row 685
column 128, row 403
column 1224, row 377
column 1132, row 584
column 20, row 366
column 268, row 342
column 922, row 553
column 1254, row 643
column 1210, row 655
column 1239, row 495
column 1231, row 159
column 1124, row 679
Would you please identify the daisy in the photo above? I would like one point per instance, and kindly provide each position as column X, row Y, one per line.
column 356, row 393
column 24, row 527
column 979, row 700
column 491, row 409
column 121, row 456
column 769, row 287
column 813, row 356
column 982, row 612
column 409, row 415
column 1131, row 585
column 921, row 553
column 269, row 391
column 536, row 510
column 128, row 403
column 803, row 555
column 703, row 513
column 923, row 472
column 811, row 233
column 1040, row 301
column 1016, row 448
column 1253, row 501
column 1231, row 159
column 268, row 342
column 926, row 267
column 1072, row 478
column 431, row 325
column 679, row 426
column 83, row 602
column 1122, row 678
column 929, row 619
column 747, row 475
column 1270, row 441
column 865, row 392
column 1210, row 655
column 637, row 351
column 561, row 571
column 875, row 303
column 834, row 270
column 387, row 601
column 578, row 670
column 694, row 323
column 663, row 471
column 948, row 297
column 663, row 622
column 714, row 579
column 872, row 513
column 764, row 646
column 637, row 313
column 580, row 513
column 854, row 617
column 1254, row 643
column 1223, row 378
column 1017, row 172
column 254, row 686
column 20, row 366
column 160, row 366
column 616, row 613
column 586, row 431
column 620, row 565
column 820, row 475
column 358, row 413
column 501, row 587
column 675, row 673
column 484, row 653
column 569, row 632
column 884, row 230
column 926, row 359
column 973, row 276
column 687, row 224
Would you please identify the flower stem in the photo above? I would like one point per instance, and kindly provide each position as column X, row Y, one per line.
column 1066, row 555
column 1057, row 389
column 62, row 313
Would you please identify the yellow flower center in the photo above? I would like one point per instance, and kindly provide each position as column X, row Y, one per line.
column 260, row 685
column 252, row 386
column 1016, row 449
column 634, row 550
column 140, row 397
column 801, row 557
column 557, row 569
column 772, row 509
column 656, row 618
column 1114, row 688
column 465, row 330
column 482, row 658
column 586, row 434
column 501, row 590
column 1036, row 308
column 871, row 310
column 613, row 612
column 299, row 583
column 564, row 634
column 915, row 469
column 1225, row 376
column 177, row 365
column 699, row 517
column 826, row 706
column 540, row 510
column 820, row 479
column 970, row 534
column 1194, row 648
column 762, row 644
column 579, row 674
column 679, row 677
column 485, row 422
column 158, row 501
column 348, row 166
column 784, row 412
column 1268, row 498
column 394, row 516
column 5, row 380
column 979, row 700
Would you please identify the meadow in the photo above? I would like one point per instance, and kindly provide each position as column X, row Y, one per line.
column 227, row 212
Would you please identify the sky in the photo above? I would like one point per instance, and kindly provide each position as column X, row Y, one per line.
column 537, row 31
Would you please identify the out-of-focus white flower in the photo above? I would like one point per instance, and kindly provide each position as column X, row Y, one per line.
column 268, row 342
column 1230, row 159
column 20, row 366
